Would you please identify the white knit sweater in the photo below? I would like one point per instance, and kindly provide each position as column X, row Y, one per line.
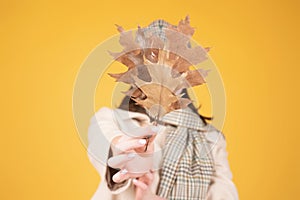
column 103, row 128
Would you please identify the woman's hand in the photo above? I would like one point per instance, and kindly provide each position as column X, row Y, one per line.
column 124, row 149
column 126, row 144
column 143, row 188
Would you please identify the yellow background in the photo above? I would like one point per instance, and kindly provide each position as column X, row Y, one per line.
column 43, row 43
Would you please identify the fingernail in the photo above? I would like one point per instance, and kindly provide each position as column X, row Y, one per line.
column 134, row 181
column 116, row 177
column 131, row 155
column 142, row 141
column 123, row 171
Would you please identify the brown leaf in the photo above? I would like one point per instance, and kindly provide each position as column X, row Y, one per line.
column 158, row 70
column 181, row 65
column 126, row 77
column 185, row 28
column 119, row 28
column 156, row 95
column 178, row 44
column 151, row 54
column 116, row 76
column 131, row 55
column 134, row 93
column 195, row 77
column 128, row 42
column 207, row 49
column 180, row 104
column 130, row 59
column 123, row 59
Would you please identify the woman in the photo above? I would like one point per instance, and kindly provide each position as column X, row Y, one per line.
column 190, row 154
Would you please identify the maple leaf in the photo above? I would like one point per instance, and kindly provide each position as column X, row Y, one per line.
column 154, row 88
column 125, row 77
column 129, row 59
column 184, row 27
column 178, row 44
column 131, row 55
column 195, row 77
column 158, row 69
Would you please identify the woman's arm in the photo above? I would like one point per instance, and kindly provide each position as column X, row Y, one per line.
column 221, row 186
column 103, row 132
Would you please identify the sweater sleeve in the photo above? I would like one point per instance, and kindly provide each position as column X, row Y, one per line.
column 222, row 186
column 102, row 130
column 104, row 127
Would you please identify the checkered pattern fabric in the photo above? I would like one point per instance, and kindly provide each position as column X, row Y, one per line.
column 187, row 163
column 157, row 28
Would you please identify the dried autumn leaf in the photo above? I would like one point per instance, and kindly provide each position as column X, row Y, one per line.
column 157, row 94
column 131, row 55
column 181, row 65
column 127, row 59
column 119, row 28
column 158, row 68
column 194, row 78
column 178, row 44
column 125, row 77
column 181, row 103
column 128, row 42
column 185, row 28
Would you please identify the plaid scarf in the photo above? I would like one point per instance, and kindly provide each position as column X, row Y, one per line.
column 187, row 163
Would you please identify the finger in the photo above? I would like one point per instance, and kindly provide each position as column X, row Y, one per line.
column 140, row 184
column 130, row 144
column 121, row 176
column 147, row 178
column 120, row 160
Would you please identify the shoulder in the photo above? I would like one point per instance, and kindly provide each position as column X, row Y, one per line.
column 213, row 135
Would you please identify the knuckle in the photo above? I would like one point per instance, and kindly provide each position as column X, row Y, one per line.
column 117, row 146
column 144, row 187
